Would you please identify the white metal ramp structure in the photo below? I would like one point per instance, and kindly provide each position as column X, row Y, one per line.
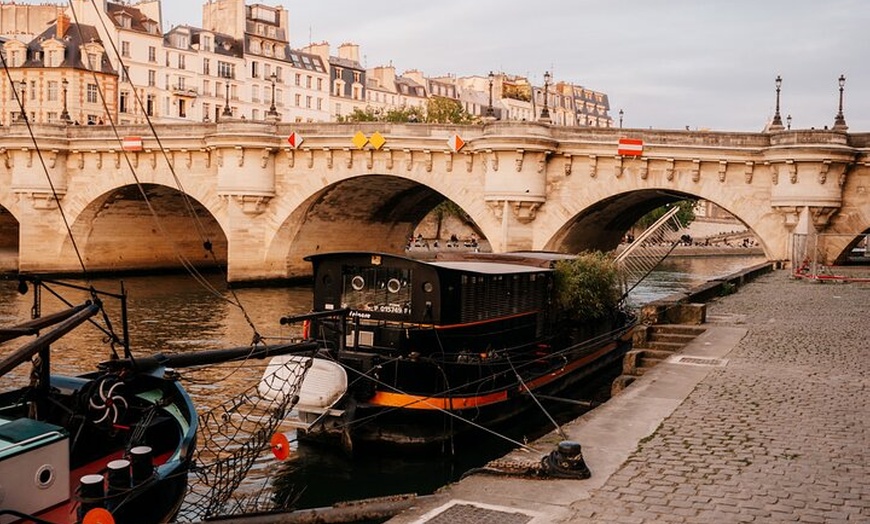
column 648, row 250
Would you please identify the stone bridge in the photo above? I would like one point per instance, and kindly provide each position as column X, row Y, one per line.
column 263, row 202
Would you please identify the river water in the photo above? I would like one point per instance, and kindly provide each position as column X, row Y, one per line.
column 175, row 313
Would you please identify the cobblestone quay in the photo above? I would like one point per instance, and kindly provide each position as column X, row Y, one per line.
column 780, row 434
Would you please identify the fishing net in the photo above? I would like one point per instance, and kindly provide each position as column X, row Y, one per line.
column 233, row 436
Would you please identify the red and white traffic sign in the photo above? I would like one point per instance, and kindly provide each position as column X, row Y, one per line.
column 131, row 143
column 630, row 147
column 456, row 143
column 295, row 140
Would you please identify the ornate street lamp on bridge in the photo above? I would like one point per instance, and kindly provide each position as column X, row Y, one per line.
column 545, row 113
column 22, row 117
column 621, row 114
column 777, row 119
column 840, row 120
column 273, row 111
column 64, row 115
column 489, row 110
column 227, row 112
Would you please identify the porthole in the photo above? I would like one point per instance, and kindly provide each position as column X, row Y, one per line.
column 357, row 283
column 44, row 476
column 428, row 287
column 393, row 285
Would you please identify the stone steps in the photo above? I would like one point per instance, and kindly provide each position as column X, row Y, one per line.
column 652, row 345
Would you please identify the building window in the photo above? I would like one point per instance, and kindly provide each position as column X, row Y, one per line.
column 308, row 81
column 125, row 49
column 182, row 108
column 93, row 61
column 206, row 110
column 279, row 74
column 255, row 69
column 297, row 99
column 182, row 63
column 298, row 79
column 226, row 70
column 356, row 76
column 206, row 46
column 255, row 114
column 308, row 102
column 319, row 104
column 123, row 102
column 279, row 97
column 206, row 88
column 255, row 94
column 149, row 105
column 320, row 84
column 206, row 66
column 152, row 78
column 92, row 93
column 51, row 94
column 152, row 54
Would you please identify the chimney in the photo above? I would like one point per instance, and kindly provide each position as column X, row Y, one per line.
column 62, row 25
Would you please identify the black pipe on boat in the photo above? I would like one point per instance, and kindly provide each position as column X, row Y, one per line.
column 214, row 356
column 26, row 352
column 141, row 464
column 32, row 327
column 310, row 316
column 91, row 494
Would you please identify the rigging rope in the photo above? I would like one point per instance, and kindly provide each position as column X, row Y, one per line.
column 207, row 244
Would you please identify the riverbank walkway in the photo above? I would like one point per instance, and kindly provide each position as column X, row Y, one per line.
column 765, row 417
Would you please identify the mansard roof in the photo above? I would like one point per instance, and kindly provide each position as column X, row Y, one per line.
column 139, row 21
column 75, row 37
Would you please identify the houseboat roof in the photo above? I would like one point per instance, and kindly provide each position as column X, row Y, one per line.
column 485, row 263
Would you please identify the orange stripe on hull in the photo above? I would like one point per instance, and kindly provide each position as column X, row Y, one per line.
column 404, row 401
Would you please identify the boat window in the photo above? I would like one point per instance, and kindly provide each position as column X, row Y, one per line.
column 377, row 289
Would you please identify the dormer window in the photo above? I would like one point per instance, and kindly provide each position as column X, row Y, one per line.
column 124, row 20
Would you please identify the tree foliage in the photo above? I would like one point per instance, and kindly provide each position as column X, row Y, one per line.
column 439, row 110
column 588, row 286
column 686, row 214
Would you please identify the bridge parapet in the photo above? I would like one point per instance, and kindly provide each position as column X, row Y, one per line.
column 527, row 185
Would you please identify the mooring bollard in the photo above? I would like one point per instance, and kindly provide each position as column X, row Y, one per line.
column 566, row 461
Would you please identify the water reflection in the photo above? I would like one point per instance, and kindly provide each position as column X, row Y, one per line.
column 682, row 273
column 174, row 313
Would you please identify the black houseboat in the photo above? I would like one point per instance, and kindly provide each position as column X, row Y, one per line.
column 416, row 353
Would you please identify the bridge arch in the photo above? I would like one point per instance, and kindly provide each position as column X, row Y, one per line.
column 146, row 227
column 602, row 225
column 365, row 211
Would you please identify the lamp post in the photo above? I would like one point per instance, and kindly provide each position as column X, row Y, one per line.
column 777, row 120
column 273, row 111
column 621, row 114
column 227, row 112
column 489, row 110
column 545, row 113
column 788, row 122
column 23, row 116
column 840, row 120
column 64, row 115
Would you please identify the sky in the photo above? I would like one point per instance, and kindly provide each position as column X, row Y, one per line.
column 668, row 64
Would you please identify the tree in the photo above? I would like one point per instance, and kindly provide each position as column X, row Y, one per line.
column 441, row 110
column 369, row 114
column 587, row 287
column 686, row 214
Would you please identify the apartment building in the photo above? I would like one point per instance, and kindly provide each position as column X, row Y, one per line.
column 118, row 64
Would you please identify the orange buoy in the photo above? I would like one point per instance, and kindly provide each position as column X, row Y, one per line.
column 280, row 446
column 98, row 516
